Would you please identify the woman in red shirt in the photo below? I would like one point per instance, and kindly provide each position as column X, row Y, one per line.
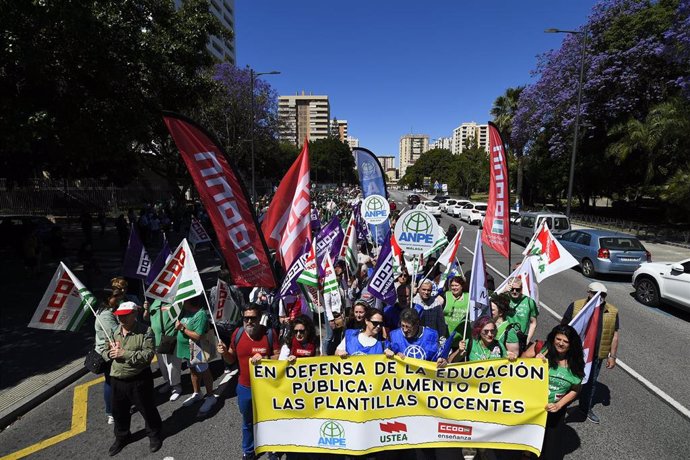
column 300, row 341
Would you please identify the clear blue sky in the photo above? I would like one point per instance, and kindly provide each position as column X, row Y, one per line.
column 391, row 67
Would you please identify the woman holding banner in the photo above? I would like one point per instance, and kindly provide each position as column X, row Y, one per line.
column 563, row 350
column 365, row 341
column 300, row 341
column 483, row 344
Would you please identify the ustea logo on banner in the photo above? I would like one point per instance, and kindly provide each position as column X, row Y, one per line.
column 416, row 231
column 375, row 209
column 454, row 431
column 332, row 434
column 397, row 432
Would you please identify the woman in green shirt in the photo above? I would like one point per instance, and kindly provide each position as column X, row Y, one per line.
column 455, row 309
column 506, row 332
column 563, row 350
column 170, row 365
column 482, row 345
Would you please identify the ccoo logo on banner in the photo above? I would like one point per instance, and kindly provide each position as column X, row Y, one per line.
column 416, row 231
column 375, row 209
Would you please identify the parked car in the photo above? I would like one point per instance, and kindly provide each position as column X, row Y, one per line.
column 523, row 228
column 441, row 196
column 605, row 251
column 446, row 204
column 433, row 207
column 455, row 210
column 413, row 199
column 665, row 282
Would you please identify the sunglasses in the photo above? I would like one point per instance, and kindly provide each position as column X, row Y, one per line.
column 377, row 323
column 299, row 331
column 249, row 319
column 489, row 332
column 516, row 289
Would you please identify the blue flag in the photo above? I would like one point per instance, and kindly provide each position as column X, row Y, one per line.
column 160, row 262
column 137, row 262
column 372, row 181
column 382, row 281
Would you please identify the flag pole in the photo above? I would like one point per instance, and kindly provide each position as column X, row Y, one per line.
column 213, row 320
column 143, row 289
column 318, row 313
column 105, row 331
column 414, row 276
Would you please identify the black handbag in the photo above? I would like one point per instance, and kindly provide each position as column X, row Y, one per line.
column 94, row 362
column 168, row 342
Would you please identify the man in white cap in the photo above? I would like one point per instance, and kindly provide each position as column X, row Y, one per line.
column 131, row 379
column 607, row 340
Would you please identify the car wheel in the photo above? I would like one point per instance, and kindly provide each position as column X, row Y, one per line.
column 647, row 292
column 587, row 268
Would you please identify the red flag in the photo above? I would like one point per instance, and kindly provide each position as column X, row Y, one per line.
column 496, row 232
column 225, row 200
column 286, row 224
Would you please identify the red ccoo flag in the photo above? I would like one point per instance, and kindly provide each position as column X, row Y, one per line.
column 287, row 221
column 225, row 200
column 496, row 232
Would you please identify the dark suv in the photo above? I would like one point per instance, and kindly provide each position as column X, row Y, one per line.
column 413, row 199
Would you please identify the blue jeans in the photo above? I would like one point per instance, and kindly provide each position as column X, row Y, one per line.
column 244, row 401
column 588, row 389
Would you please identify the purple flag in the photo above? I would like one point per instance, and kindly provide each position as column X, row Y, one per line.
column 159, row 263
column 382, row 282
column 362, row 227
column 329, row 240
column 137, row 263
column 315, row 220
column 289, row 286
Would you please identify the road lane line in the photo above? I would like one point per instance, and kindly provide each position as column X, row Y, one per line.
column 632, row 372
column 79, row 415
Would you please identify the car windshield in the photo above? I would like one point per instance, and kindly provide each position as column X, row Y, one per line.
column 480, row 207
column 621, row 243
column 431, row 204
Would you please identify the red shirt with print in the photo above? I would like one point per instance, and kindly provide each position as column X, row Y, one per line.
column 248, row 347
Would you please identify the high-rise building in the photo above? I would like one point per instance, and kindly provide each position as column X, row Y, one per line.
column 466, row 131
column 303, row 115
column 220, row 48
column 411, row 148
column 387, row 162
column 442, row 143
column 339, row 129
column 352, row 142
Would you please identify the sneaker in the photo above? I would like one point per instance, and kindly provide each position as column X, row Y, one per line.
column 192, row 399
column 227, row 376
column 592, row 417
column 175, row 395
column 155, row 444
column 117, row 446
column 209, row 402
column 111, row 420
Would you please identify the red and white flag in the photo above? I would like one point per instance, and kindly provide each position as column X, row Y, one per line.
column 286, row 224
column 525, row 273
column 496, row 231
column 226, row 203
column 586, row 323
column 448, row 256
column 546, row 254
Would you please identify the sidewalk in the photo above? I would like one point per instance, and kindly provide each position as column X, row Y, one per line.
column 37, row 363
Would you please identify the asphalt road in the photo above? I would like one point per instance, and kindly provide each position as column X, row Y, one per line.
column 635, row 422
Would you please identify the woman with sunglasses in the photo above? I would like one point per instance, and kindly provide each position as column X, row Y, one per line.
column 483, row 344
column 364, row 341
column 300, row 341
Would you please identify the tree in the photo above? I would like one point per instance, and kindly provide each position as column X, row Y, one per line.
column 84, row 82
column 503, row 113
column 331, row 161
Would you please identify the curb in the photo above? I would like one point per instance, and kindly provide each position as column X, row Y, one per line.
column 37, row 389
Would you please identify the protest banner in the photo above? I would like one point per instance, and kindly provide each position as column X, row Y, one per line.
column 366, row 404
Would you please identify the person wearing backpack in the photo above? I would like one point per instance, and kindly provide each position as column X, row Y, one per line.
column 508, row 334
column 251, row 342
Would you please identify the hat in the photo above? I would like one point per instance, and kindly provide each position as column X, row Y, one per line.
column 597, row 286
column 126, row 308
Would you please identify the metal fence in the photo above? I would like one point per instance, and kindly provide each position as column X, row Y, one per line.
column 679, row 234
column 41, row 196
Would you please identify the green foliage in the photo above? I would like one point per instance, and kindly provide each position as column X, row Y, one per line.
column 331, row 161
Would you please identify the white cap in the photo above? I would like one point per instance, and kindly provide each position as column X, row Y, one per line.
column 126, row 308
column 597, row 287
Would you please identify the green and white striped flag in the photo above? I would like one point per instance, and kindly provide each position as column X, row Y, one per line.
column 330, row 282
column 179, row 280
column 440, row 242
column 310, row 274
column 348, row 251
column 65, row 304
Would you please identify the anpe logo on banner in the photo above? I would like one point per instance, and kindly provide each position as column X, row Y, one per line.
column 332, row 434
column 375, row 209
column 397, row 432
column 454, row 431
column 416, row 231
column 368, row 170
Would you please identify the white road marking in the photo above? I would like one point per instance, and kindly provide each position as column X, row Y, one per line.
column 632, row 372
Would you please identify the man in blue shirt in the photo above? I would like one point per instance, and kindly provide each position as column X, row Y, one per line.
column 413, row 340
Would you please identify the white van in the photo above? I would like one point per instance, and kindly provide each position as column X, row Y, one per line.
column 522, row 228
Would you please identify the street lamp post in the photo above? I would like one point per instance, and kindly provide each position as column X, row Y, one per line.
column 576, row 133
column 253, row 76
